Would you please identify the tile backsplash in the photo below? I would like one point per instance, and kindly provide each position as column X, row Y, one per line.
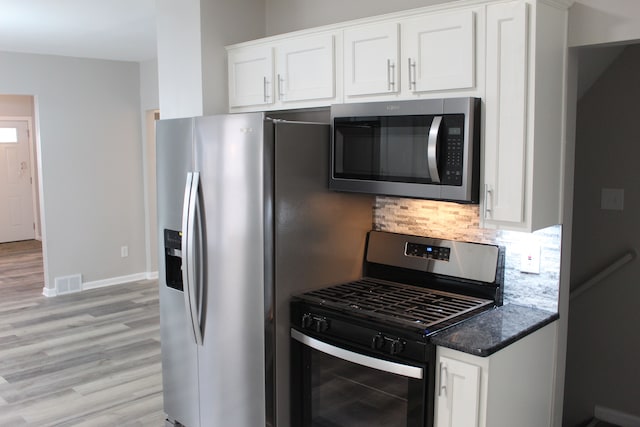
column 455, row 221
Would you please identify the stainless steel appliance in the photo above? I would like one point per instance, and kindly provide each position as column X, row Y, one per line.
column 246, row 219
column 361, row 350
column 426, row 149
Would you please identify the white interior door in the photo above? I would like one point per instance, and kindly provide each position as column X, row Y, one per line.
column 16, row 202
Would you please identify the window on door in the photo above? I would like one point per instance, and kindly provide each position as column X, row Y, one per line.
column 8, row 135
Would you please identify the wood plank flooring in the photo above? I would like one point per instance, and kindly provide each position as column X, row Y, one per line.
column 86, row 359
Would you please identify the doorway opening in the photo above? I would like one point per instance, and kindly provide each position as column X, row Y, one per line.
column 20, row 218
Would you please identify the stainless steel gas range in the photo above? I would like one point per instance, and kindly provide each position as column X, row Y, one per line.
column 361, row 351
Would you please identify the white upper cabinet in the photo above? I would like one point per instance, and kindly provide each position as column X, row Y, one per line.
column 524, row 115
column 510, row 53
column 505, row 112
column 251, row 76
column 305, row 68
column 283, row 73
column 438, row 51
column 371, row 56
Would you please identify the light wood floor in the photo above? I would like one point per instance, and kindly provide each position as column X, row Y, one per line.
column 85, row 359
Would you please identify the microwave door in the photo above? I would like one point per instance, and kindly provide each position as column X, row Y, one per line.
column 432, row 149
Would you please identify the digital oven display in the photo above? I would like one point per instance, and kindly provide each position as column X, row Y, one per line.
column 439, row 253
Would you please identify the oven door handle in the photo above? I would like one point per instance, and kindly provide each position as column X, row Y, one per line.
column 360, row 359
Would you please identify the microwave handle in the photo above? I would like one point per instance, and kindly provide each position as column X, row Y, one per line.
column 432, row 144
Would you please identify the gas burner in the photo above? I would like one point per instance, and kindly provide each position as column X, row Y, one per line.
column 402, row 304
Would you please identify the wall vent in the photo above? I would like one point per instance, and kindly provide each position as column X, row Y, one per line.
column 68, row 284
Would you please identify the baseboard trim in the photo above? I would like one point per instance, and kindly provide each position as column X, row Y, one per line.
column 114, row 281
column 49, row 292
column 52, row 292
column 616, row 417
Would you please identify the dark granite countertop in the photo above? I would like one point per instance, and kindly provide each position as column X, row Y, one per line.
column 493, row 330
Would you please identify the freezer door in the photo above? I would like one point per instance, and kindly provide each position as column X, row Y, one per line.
column 174, row 140
column 229, row 155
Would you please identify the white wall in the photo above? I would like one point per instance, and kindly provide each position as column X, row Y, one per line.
column 223, row 23
column 88, row 118
column 289, row 15
column 149, row 100
column 191, row 56
column 603, row 21
column 179, row 58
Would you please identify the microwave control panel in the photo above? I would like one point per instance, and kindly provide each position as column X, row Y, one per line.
column 453, row 137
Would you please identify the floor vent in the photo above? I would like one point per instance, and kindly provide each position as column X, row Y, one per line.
column 68, row 284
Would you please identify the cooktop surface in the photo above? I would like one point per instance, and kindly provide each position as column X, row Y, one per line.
column 398, row 303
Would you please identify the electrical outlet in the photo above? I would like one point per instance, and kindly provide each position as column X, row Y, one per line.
column 530, row 258
column 124, row 251
column 612, row 199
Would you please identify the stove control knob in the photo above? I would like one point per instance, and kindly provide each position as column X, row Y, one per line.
column 396, row 347
column 321, row 325
column 307, row 321
column 377, row 342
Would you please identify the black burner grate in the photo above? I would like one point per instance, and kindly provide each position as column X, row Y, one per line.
column 399, row 303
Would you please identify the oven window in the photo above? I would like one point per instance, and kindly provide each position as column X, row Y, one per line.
column 344, row 394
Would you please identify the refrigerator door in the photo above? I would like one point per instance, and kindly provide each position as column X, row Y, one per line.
column 174, row 139
column 229, row 155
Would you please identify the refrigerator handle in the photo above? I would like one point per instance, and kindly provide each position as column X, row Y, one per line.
column 191, row 274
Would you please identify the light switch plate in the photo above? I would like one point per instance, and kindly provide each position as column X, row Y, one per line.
column 530, row 258
column 612, row 199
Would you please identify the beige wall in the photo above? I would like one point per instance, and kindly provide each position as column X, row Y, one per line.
column 16, row 106
column 603, row 342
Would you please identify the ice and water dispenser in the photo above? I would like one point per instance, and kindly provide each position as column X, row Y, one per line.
column 173, row 258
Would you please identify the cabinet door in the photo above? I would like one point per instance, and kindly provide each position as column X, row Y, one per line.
column 371, row 56
column 438, row 51
column 458, row 395
column 505, row 112
column 250, row 76
column 305, row 69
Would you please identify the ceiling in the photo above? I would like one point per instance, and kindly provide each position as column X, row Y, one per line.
column 123, row 30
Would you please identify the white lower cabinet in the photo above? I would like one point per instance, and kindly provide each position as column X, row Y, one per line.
column 512, row 387
column 458, row 394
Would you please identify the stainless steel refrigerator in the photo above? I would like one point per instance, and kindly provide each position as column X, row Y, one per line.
column 245, row 220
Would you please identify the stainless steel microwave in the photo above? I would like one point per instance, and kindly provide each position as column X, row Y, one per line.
column 428, row 149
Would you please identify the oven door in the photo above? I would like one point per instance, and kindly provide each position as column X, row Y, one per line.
column 332, row 386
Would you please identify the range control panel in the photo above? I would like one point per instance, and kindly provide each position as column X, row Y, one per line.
column 427, row 251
